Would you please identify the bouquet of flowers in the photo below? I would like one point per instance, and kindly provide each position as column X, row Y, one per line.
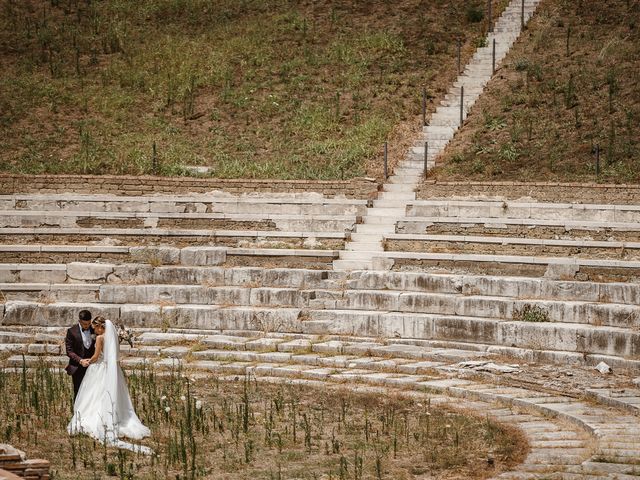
column 124, row 334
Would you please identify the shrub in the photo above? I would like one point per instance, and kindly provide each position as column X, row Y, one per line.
column 531, row 313
column 474, row 14
column 521, row 64
column 477, row 166
column 509, row 152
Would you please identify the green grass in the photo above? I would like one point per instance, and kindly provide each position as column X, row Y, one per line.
column 269, row 88
column 569, row 85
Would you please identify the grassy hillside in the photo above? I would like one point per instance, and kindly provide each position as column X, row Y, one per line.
column 570, row 84
column 253, row 88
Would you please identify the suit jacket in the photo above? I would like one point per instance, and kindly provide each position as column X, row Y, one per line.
column 76, row 350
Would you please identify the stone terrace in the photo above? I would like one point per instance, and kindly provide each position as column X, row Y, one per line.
column 445, row 321
column 499, row 298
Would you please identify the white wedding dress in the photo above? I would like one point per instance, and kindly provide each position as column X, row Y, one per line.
column 103, row 408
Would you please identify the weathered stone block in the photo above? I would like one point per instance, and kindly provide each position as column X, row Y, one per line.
column 89, row 271
column 156, row 255
column 427, row 303
column 189, row 275
column 54, row 314
column 560, row 271
column 8, row 275
column 43, row 349
column 145, row 316
column 203, row 256
column 295, row 346
column 370, row 300
column 43, row 276
column 487, row 307
column 131, row 273
column 277, row 297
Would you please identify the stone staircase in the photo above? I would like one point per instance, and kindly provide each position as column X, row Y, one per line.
column 537, row 319
column 492, row 303
column 368, row 237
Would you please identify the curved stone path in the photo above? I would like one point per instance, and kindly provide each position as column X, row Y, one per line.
column 573, row 431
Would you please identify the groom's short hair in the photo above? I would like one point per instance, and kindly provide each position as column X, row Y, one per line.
column 84, row 315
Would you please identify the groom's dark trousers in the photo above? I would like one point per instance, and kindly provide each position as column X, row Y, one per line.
column 76, row 351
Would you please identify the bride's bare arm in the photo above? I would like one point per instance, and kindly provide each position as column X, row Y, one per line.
column 99, row 344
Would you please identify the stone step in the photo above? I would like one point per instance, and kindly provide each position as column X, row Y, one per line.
column 385, row 212
column 398, row 187
column 58, row 232
column 504, row 222
column 378, row 220
column 458, row 240
column 349, row 265
column 189, row 281
column 298, row 203
column 391, row 203
column 558, row 336
column 395, row 196
column 415, row 172
column 505, row 308
column 410, row 180
column 378, row 228
column 365, row 246
column 366, row 237
column 540, row 210
column 547, row 262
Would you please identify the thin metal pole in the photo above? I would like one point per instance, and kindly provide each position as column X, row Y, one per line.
column 493, row 58
column 459, row 51
column 522, row 16
column 490, row 16
column 154, row 160
column 461, row 104
column 386, row 169
column 424, row 106
column 426, row 158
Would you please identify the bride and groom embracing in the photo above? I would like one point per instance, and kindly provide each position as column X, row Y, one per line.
column 102, row 406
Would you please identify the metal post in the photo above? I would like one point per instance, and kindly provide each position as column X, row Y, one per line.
column 522, row 16
column 493, row 58
column 489, row 16
column 386, row 168
column 154, row 160
column 459, row 51
column 597, row 160
column 424, row 107
column 426, row 158
column 461, row 104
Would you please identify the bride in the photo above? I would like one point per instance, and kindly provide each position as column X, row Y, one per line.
column 103, row 408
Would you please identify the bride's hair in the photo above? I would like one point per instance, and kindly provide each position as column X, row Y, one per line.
column 99, row 321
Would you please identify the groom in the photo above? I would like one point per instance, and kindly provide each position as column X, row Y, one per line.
column 80, row 344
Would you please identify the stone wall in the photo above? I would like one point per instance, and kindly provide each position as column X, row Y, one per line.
column 14, row 462
column 541, row 191
column 145, row 185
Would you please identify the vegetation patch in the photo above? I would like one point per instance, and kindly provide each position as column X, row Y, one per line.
column 255, row 88
column 243, row 429
column 531, row 313
column 566, row 93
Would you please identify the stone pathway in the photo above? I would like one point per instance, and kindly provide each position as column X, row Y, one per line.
column 367, row 240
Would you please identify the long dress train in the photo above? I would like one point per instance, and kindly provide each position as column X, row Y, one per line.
column 103, row 408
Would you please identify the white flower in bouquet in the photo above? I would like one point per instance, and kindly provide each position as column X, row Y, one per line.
column 124, row 334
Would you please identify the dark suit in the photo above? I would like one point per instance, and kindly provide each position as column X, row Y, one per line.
column 76, row 351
